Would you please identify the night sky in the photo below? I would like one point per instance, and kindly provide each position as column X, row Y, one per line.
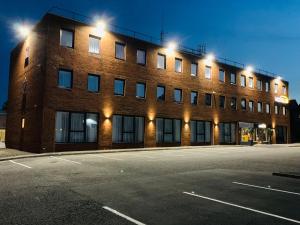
column 263, row 33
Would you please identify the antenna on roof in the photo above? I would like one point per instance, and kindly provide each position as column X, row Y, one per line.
column 162, row 32
column 202, row 48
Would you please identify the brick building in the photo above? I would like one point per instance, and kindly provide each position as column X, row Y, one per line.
column 74, row 87
column 2, row 126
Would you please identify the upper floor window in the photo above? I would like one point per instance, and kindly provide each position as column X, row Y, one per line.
column 94, row 44
column 194, row 97
column 276, row 109
column 178, row 65
column 259, row 85
column 251, row 83
column 141, row 90
column 267, row 86
column 194, row 69
column 208, row 99
column 93, row 83
column 243, row 80
column 284, row 90
column 267, row 108
column 243, row 104
column 233, row 78
column 161, row 61
column 120, row 51
column 141, row 57
column 222, row 102
column 160, row 93
column 65, row 78
column 208, row 72
column 251, row 106
column 66, row 38
column 26, row 57
column 259, row 107
column 283, row 110
column 233, row 103
column 221, row 75
column 276, row 88
column 119, row 87
column 177, row 95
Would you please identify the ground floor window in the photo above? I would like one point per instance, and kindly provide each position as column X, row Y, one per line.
column 281, row 134
column 168, row 130
column 75, row 127
column 227, row 133
column 200, row 132
column 128, row 129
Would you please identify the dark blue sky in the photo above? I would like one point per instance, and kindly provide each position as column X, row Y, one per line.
column 263, row 33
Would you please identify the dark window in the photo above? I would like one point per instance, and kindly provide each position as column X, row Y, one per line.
column 233, row 103
column 160, row 93
column 26, row 63
column 221, row 75
column 120, row 51
column 177, row 95
column 93, row 83
column 66, row 38
column 200, row 132
column 73, row 127
column 251, row 106
column 233, row 78
column 168, row 130
column 161, row 61
column 243, row 104
column 141, row 57
column 194, row 69
column 119, row 87
column 194, row 97
column 227, row 133
column 222, row 102
column 65, row 78
column 128, row 129
column 94, row 44
column 259, row 107
column 141, row 90
column 208, row 99
column 178, row 65
column 259, row 85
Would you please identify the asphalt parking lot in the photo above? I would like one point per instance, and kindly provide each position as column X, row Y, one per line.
column 206, row 185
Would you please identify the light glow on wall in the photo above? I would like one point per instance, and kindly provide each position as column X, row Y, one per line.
column 171, row 47
column 209, row 59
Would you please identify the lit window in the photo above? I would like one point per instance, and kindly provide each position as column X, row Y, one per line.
column 141, row 57
column 276, row 109
column 267, row 86
column 233, row 78
column 251, row 83
column 160, row 93
column 194, row 97
column 233, row 103
column 243, row 81
column 65, row 79
column 243, row 104
column 178, row 65
column 222, row 102
column 268, row 108
column 207, row 72
column 283, row 110
column 177, row 95
column 119, row 87
column 194, row 69
column 93, row 83
column 140, row 90
column 251, row 106
column 276, row 88
column 161, row 61
column 120, row 51
column 221, row 75
column 94, row 44
column 284, row 90
column 259, row 85
column 259, row 107
column 208, row 99
column 66, row 38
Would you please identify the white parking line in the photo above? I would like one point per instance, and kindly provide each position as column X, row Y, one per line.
column 20, row 164
column 243, row 207
column 123, row 216
column 267, row 188
column 100, row 156
column 67, row 160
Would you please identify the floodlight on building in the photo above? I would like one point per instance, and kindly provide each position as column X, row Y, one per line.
column 209, row 59
column 22, row 30
column 171, row 46
column 249, row 69
column 100, row 27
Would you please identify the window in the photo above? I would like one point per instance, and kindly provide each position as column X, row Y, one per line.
column 267, row 86
column 168, row 130
column 222, row 102
column 141, row 57
column 259, row 85
column 251, row 83
column 194, row 69
column 227, row 133
column 267, row 108
column 259, row 107
column 160, row 93
column 119, row 87
column 243, row 104
column 243, row 80
column 194, row 97
column 141, row 90
column 93, row 83
column 283, row 110
column 74, row 127
column 221, row 75
column 128, row 129
column 276, row 109
column 207, row 72
column 233, row 103
column 94, row 44
column 251, row 106
column 120, row 51
column 178, row 65
column 65, row 78
column 200, row 132
column 177, row 95
column 66, row 38
column 161, row 61
column 26, row 62
column 208, row 99
column 233, row 78
column 284, row 90
column 276, row 88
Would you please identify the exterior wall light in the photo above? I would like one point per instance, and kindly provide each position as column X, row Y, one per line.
column 209, row 59
column 100, row 27
column 171, row 47
column 249, row 69
column 22, row 30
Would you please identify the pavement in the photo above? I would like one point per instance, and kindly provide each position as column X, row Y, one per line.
column 187, row 186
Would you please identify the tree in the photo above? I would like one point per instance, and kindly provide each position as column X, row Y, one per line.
column 4, row 106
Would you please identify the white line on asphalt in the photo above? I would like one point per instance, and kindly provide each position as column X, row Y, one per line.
column 243, row 207
column 267, row 188
column 67, row 160
column 20, row 164
column 100, row 156
column 123, row 216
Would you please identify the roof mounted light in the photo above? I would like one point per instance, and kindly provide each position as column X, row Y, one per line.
column 209, row 59
column 171, row 46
